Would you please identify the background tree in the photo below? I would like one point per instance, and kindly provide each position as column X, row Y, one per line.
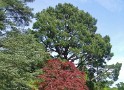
column 20, row 58
column 70, row 34
column 14, row 13
column 120, row 86
column 111, row 72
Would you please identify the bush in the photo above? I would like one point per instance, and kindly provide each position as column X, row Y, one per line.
column 60, row 75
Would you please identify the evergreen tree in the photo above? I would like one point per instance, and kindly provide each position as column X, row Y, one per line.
column 14, row 13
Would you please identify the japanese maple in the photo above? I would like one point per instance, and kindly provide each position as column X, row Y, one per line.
column 60, row 75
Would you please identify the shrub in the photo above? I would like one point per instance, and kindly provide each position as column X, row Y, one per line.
column 60, row 75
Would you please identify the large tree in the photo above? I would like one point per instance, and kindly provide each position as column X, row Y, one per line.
column 14, row 13
column 70, row 33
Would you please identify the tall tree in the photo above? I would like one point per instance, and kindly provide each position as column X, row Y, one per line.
column 70, row 34
column 14, row 13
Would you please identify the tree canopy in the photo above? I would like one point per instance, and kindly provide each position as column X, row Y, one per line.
column 71, row 33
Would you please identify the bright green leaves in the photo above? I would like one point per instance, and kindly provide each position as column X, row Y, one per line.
column 20, row 57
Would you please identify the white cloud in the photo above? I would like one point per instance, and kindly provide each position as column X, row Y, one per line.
column 111, row 5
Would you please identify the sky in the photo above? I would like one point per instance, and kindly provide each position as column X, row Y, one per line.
column 110, row 21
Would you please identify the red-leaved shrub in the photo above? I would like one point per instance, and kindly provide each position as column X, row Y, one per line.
column 60, row 75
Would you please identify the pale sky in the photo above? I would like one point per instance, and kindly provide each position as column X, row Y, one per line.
column 110, row 21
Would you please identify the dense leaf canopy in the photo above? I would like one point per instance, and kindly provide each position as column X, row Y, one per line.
column 20, row 56
column 70, row 31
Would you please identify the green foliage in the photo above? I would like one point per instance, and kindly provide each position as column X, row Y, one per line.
column 107, row 76
column 120, row 86
column 114, row 71
column 20, row 58
column 2, row 16
column 67, row 30
column 108, row 88
column 14, row 13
